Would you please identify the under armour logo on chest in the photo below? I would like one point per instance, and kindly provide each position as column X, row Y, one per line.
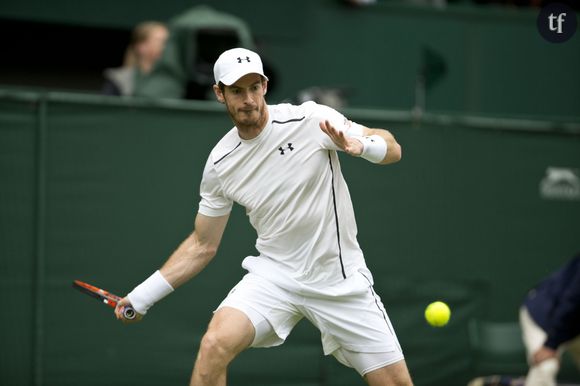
column 247, row 59
column 283, row 149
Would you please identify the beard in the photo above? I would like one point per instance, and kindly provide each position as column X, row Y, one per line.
column 247, row 117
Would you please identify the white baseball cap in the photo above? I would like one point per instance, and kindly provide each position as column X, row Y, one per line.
column 235, row 63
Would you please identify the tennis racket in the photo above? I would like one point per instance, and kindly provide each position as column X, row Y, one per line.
column 105, row 297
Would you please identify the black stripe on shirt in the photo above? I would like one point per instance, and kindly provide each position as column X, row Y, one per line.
column 336, row 216
column 290, row 120
column 228, row 153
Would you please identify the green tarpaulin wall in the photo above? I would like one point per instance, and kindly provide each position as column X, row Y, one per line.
column 102, row 190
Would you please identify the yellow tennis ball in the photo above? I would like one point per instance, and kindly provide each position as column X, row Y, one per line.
column 437, row 314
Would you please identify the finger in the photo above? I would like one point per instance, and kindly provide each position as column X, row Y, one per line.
column 338, row 133
column 339, row 137
column 331, row 131
column 324, row 127
column 330, row 127
column 118, row 312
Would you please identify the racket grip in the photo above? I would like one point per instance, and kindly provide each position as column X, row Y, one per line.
column 129, row 313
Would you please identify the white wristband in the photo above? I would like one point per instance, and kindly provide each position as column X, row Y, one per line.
column 149, row 292
column 374, row 148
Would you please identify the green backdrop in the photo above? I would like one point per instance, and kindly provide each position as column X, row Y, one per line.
column 102, row 189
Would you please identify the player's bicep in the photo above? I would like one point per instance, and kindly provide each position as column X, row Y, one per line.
column 209, row 230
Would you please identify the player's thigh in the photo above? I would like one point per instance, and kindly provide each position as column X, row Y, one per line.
column 230, row 331
column 270, row 309
column 395, row 374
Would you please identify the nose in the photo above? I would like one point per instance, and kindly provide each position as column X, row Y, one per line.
column 248, row 98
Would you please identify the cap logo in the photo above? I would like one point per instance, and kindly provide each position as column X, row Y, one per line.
column 240, row 59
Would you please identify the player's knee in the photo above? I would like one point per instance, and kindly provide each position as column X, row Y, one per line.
column 215, row 347
column 406, row 382
column 389, row 382
column 212, row 345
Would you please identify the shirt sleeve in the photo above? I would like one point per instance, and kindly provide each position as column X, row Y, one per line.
column 214, row 202
column 336, row 119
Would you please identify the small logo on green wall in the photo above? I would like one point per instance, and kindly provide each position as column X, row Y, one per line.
column 557, row 22
column 560, row 184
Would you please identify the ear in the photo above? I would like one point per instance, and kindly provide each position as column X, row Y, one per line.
column 265, row 86
column 218, row 94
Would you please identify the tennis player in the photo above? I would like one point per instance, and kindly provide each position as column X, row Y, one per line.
column 280, row 162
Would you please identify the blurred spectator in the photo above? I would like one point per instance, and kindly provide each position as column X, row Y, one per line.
column 198, row 36
column 145, row 48
column 550, row 320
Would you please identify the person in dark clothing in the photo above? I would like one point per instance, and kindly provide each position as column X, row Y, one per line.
column 550, row 321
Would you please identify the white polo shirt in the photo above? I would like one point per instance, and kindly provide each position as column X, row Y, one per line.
column 289, row 180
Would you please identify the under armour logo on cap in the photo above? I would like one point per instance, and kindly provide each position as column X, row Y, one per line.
column 235, row 63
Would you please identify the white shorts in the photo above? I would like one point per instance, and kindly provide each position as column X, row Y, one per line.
column 354, row 327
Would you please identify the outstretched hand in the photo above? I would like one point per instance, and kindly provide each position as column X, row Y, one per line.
column 543, row 354
column 119, row 312
column 349, row 145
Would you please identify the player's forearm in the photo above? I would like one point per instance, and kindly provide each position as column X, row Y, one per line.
column 194, row 253
column 187, row 261
column 394, row 151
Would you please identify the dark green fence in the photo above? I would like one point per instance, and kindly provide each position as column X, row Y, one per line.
column 103, row 189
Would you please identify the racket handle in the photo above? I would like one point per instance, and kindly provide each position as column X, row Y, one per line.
column 129, row 313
